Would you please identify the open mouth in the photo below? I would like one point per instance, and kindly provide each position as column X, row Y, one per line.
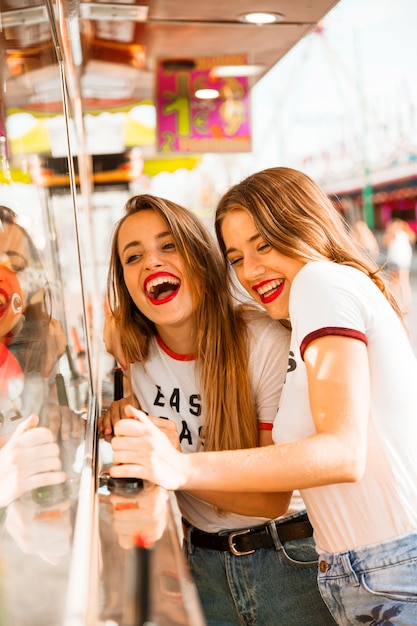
column 269, row 290
column 162, row 288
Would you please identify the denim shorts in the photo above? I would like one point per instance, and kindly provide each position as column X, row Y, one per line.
column 374, row 585
column 270, row 587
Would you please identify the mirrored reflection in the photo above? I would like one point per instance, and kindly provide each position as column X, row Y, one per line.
column 35, row 545
column 32, row 341
column 41, row 435
column 143, row 577
column 143, row 516
column 36, row 529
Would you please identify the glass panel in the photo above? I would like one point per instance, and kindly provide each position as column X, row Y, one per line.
column 63, row 557
column 45, row 359
column 144, row 578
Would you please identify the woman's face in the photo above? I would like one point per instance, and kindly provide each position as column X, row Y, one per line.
column 14, row 255
column 154, row 272
column 265, row 273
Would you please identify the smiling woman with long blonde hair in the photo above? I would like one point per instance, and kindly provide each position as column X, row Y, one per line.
column 346, row 429
column 215, row 371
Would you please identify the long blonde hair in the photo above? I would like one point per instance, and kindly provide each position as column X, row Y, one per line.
column 221, row 337
column 296, row 217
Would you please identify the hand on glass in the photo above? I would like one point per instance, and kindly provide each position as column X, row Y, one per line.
column 29, row 459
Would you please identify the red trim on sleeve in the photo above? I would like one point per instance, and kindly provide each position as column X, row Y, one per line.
column 331, row 330
column 265, row 425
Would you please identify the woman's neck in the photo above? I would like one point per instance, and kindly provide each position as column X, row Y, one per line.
column 179, row 340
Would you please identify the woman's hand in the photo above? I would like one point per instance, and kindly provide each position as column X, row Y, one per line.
column 114, row 413
column 141, row 449
column 30, row 459
column 169, row 428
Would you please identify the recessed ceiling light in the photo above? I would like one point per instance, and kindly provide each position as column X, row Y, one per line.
column 207, row 94
column 261, row 18
column 221, row 71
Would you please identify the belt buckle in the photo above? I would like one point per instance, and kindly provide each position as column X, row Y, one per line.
column 231, row 543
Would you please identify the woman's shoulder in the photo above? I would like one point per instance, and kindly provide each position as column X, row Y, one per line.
column 328, row 271
column 326, row 283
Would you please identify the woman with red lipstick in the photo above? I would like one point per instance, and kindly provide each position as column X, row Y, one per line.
column 27, row 329
column 212, row 372
column 346, row 429
column 29, row 346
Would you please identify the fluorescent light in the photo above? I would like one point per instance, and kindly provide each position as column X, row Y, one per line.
column 207, row 94
column 261, row 18
column 236, row 70
column 115, row 12
column 24, row 17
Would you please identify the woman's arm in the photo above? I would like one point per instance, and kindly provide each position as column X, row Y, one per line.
column 258, row 504
column 339, row 391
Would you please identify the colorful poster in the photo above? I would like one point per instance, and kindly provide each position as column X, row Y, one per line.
column 186, row 123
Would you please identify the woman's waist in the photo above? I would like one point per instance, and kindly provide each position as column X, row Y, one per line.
column 344, row 518
column 212, row 519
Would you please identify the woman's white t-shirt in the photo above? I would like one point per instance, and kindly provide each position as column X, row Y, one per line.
column 328, row 298
column 167, row 386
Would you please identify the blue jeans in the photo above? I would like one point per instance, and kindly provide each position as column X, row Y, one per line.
column 374, row 585
column 267, row 588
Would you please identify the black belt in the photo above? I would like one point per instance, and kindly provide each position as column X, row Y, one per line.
column 247, row 540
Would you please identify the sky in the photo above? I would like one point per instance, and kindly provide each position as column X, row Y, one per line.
column 340, row 97
column 361, row 69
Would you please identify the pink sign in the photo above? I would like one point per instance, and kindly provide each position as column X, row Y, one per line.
column 188, row 124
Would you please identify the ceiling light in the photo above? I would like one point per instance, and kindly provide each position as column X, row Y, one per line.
column 261, row 18
column 222, row 71
column 207, row 94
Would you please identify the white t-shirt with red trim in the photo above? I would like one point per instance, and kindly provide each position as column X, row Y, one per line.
column 167, row 386
column 328, row 298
